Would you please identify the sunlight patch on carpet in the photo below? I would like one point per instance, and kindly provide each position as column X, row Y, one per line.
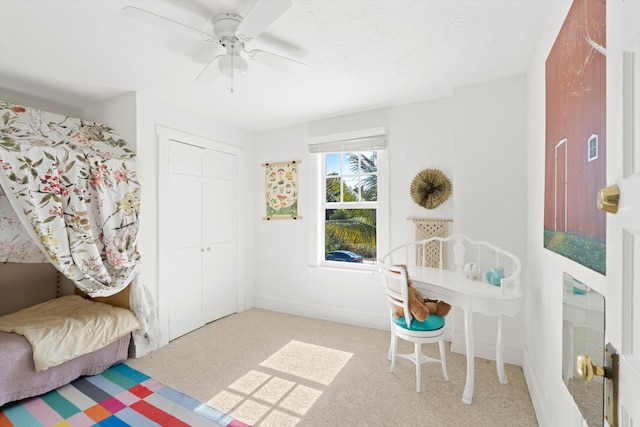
column 309, row 361
column 272, row 400
column 273, row 390
column 227, row 399
column 300, row 399
column 252, row 409
column 250, row 382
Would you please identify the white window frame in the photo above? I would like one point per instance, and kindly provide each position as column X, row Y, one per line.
column 340, row 143
column 594, row 138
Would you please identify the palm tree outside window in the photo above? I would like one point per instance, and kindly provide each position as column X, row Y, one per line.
column 350, row 205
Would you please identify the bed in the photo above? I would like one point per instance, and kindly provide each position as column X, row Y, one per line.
column 60, row 340
column 69, row 215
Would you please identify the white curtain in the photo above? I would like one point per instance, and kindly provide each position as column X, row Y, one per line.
column 73, row 185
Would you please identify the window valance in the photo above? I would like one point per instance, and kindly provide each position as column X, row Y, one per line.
column 362, row 140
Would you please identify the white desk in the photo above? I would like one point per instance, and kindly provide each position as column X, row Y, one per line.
column 472, row 297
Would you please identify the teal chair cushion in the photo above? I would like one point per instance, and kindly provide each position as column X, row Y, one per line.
column 431, row 323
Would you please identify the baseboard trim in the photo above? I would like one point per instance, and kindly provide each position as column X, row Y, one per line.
column 319, row 311
column 543, row 414
column 487, row 350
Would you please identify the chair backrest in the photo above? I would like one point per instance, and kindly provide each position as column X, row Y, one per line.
column 395, row 280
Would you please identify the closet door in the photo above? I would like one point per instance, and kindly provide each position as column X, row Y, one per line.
column 219, row 231
column 203, row 243
column 185, row 243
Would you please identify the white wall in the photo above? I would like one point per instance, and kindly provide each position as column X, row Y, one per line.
column 118, row 113
column 285, row 281
column 543, row 343
column 420, row 138
column 489, row 188
column 490, row 137
column 49, row 106
column 421, row 135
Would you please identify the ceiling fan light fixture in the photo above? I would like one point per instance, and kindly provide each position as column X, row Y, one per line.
column 231, row 32
column 233, row 66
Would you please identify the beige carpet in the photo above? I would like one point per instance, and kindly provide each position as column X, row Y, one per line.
column 274, row 369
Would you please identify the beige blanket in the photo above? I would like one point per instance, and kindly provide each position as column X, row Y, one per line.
column 64, row 328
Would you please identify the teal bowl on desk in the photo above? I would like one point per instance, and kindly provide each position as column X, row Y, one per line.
column 495, row 275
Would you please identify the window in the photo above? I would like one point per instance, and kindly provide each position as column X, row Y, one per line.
column 592, row 150
column 350, row 205
column 352, row 209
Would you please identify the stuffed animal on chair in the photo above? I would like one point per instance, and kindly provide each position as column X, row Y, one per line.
column 419, row 306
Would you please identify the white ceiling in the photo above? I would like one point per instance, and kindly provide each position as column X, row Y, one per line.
column 362, row 54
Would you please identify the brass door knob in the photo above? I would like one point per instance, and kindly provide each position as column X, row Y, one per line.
column 608, row 199
column 587, row 370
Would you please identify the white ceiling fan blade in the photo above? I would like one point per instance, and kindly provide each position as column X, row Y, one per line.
column 203, row 52
column 286, row 47
column 276, row 61
column 261, row 15
column 210, row 71
column 154, row 18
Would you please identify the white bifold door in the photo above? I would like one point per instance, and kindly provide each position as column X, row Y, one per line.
column 202, row 227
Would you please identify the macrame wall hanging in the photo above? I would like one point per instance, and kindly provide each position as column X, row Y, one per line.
column 430, row 188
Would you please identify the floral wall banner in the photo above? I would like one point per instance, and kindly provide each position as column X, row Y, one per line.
column 281, row 189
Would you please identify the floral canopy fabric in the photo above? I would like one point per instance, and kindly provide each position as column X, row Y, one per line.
column 74, row 187
column 15, row 243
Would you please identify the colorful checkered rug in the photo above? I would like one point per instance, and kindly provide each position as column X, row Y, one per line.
column 120, row 396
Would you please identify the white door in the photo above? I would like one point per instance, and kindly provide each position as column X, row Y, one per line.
column 202, row 245
column 185, row 242
column 198, row 268
column 219, row 231
column 623, row 228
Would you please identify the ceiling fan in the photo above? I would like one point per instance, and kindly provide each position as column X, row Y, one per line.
column 233, row 33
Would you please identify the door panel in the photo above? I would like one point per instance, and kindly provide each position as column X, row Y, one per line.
column 186, row 211
column 220, row 212
column 220, row 290
column 185, row 290
column 623, row 227
column 185, row 310
column 220, row 165
column 220, row 197
column 185, row 159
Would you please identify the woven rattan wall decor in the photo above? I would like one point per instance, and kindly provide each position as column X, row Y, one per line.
column 430, row 188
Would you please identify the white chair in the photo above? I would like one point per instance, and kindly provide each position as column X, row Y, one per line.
column 408, row 328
